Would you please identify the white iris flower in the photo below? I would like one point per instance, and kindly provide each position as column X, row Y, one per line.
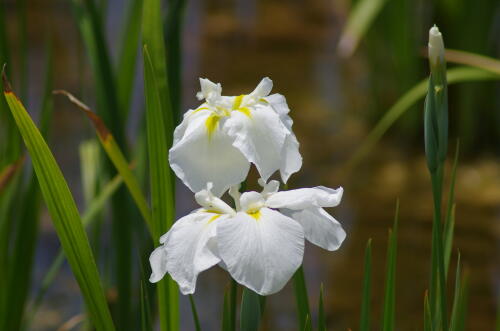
column 260, row 242
column 217, row 141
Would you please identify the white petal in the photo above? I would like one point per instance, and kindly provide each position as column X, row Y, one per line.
column 263, row 89
column 158, row 262
column 209, row 91
column 261, row 254
column 278, row 102
column 189, row 116
column 320, row 228
column 191, row 248
column 303, row 198
column 291, row 160
column 260, row 137
column 200, row 157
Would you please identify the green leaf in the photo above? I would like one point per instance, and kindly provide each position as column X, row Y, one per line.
column 364, row 324
column 457, row 322
column 301, row 297
column 159, row 111
column 455, row 75
column 250, row 311
column 95, row 206
column 427, row 314
column 308, row 324
column 64, row 213
column 131, row 33
column 449, row 224
column 389, row 310
column 194, row 312
column 360, row 18
column 321, row 312
column 116, row 156
column 146, row 323
column 9, row 172
column 229, row 307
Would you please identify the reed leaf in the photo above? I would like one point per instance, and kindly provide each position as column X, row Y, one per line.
column 250, row 311
column 229, row 307
column 449, row 224
column 364, row 324
column 427, row 313
column 404, row 103
column 194, row 312
column 321, row 311
column 117, row 158
column 389, row 309
column 64, row 212
column 301, row 297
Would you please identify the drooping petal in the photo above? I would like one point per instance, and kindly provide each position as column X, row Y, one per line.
column 304, row 198
column 291, row 160
column 158, row 262
column 261, row 251
column 189, row 249
column 260, row 136
column 206, row 154
column 320, row 228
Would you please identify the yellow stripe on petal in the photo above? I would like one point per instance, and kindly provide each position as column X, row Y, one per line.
column 211, row 124
column 245, row 111
column 213, row 218
column 237, row 101
column 255, row 214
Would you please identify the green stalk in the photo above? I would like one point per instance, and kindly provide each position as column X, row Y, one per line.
column 364, row 324
column 301, row 297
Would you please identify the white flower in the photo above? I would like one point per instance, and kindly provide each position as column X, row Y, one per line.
column 260, row 243
column 217, row 141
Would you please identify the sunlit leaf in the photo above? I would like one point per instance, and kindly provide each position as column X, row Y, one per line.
column 64, row 212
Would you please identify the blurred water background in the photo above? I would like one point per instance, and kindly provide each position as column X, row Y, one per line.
column 335, row 100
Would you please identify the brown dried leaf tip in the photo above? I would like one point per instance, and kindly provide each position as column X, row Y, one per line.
column 7, row 88
column 9, row 171
column 101, row 128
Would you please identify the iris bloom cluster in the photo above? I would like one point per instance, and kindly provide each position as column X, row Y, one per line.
column 259, row 241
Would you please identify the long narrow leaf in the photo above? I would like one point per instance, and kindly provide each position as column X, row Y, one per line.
column 194, row 312
column 94, row 208
column 9, row 172
column 455, row 75
column 301, row 297
column 159, row 112
column 427, row 313
column 250, row 311
column 115, row 154
column 364, row 324
column 321, row 312
column 128, row 56
column 449, row 224
column 64, row 213
column 389, row 312
column 229, row 307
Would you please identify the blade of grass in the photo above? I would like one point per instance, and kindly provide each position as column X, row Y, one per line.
column 229, row 307
column 159, row 108
column 301, row 297
column 115, row 154
column 456, row 298
column 459, row 311
column 131, row 32
column 64, row 213
column 360, row 18
column 427, row 313
column 250, row 311
column 389, row 309
column 194, row 313
column 449, row 224
column 146, row 323
column 173, row 34
column 321, row 311
column 308, row 325
column 455, row 75
column 364, row 324
column 95, row 206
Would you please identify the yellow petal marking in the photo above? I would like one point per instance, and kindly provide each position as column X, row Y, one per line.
column 211, row 124
column 213, row 218
column 255, row 214
column 237, row 101
column 245, row 111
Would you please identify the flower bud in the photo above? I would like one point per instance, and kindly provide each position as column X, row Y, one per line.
column 436, row 47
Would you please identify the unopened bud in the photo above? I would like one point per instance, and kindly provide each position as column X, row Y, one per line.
column 436, row 46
